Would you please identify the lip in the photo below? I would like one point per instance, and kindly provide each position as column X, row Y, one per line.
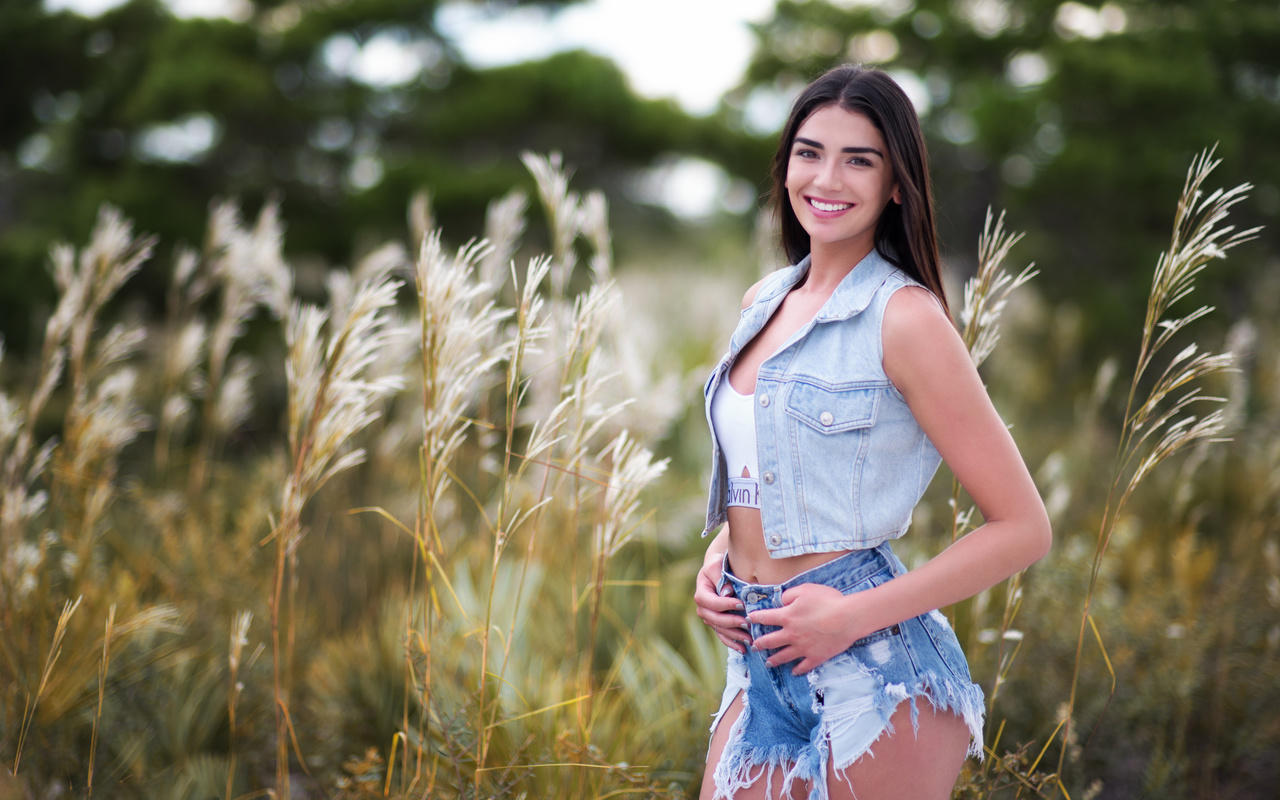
column 810, row 201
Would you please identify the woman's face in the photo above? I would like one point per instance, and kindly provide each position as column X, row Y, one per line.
column 839, row 180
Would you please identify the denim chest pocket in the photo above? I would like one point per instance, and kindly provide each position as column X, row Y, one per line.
column 829, row 432
column 829, row 411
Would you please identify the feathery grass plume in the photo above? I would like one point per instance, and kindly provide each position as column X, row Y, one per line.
column 987, row 292
column 85, row 284
column 97, row 430
column 594, row 224
column 504, row 222
column 248, row 268
column 633, row 469
column 1158, row 425
column 564, row 214
column 181, row 349
column 458, row 328
column 421, row 218
column 331, row 399
column 102, row 416
column 985, row 297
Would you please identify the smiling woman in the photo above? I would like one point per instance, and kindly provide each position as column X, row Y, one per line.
column 844, row 387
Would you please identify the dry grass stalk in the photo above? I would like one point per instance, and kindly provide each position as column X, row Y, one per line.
column 102, row 689
column 985, row 296
column 239, row 638
column 55, row 650
column 331, row 399
column 1155, row 426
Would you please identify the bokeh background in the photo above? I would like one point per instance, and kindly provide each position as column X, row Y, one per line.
column 1078, row 119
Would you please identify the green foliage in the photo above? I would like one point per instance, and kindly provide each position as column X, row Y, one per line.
column 84, row 99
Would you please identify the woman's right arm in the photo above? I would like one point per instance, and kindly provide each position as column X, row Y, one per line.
column 716, row 611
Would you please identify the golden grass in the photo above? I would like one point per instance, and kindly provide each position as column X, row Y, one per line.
column 465, row 590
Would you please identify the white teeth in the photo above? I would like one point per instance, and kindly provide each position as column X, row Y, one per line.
column 829, row 206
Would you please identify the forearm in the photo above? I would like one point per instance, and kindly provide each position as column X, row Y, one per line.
column 976, row 562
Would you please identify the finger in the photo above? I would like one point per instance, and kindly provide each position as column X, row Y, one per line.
column 722, row 619
column 784, row 656
column 732, row 644
column 735, row 633
column 768, row 616
column 804, row 666
column 775, row 640
column 718, row 603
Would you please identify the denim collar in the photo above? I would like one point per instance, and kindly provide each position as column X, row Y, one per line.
column 851, row 296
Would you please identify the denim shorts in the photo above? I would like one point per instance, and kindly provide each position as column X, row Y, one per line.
column 839, row 709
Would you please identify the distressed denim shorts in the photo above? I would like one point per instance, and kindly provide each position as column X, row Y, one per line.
column 839, row 709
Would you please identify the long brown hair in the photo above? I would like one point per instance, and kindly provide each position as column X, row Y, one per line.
column 905, row 234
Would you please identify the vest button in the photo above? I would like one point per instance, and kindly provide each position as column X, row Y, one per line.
column 768, row 477
column 764, row 401
column 826, row 418
column 775, row 539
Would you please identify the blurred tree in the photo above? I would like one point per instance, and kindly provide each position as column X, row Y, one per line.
column 1080, row 118
column 159, row 115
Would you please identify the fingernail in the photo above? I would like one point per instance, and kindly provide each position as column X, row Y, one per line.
column 744, row 626
column 740, row 607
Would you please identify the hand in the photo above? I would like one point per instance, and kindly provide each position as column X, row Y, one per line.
column 717, row 611
column 814, row 624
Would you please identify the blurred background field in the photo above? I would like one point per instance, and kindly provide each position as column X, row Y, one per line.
column 481, row 607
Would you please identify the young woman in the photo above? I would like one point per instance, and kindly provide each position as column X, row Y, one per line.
column 844, row 385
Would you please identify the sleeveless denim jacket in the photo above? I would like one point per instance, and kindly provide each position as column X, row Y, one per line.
column 842, row 460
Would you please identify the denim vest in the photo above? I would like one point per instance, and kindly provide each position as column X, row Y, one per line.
column 842, row 460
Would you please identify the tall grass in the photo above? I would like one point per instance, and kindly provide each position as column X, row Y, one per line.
column 442, row 578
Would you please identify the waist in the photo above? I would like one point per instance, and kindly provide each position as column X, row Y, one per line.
column 751, row 556
column 845, row 572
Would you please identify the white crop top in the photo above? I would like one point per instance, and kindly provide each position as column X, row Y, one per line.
column 733, row 418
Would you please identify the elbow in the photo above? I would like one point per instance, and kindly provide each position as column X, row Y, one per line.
column 1041, row 537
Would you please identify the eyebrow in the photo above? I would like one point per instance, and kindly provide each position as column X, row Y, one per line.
column 812, row 143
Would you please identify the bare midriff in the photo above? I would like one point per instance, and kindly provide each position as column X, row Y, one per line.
column 750, row 559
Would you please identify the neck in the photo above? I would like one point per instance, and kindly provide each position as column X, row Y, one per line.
column 829, row 263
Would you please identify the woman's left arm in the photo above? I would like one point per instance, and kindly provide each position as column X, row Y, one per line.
column 927, row 361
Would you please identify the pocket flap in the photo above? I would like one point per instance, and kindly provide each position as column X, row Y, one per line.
column 831, row 411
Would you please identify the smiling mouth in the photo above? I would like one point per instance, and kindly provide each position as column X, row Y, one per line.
column 823, row 206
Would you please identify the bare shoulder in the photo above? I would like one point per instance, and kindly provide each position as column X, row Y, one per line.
column 914, row 313
column 750, row 296
column 918, row 336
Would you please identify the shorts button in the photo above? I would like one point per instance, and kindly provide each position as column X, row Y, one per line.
column 826, row 418
column 764, row 401
column 775, row 539
column 768, row 477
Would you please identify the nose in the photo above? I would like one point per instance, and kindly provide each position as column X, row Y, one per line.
column 828, row 177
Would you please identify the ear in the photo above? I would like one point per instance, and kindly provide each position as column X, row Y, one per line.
column 896, row 197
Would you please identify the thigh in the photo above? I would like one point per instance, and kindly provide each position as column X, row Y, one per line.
column 760, row 788
column 923, row 764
